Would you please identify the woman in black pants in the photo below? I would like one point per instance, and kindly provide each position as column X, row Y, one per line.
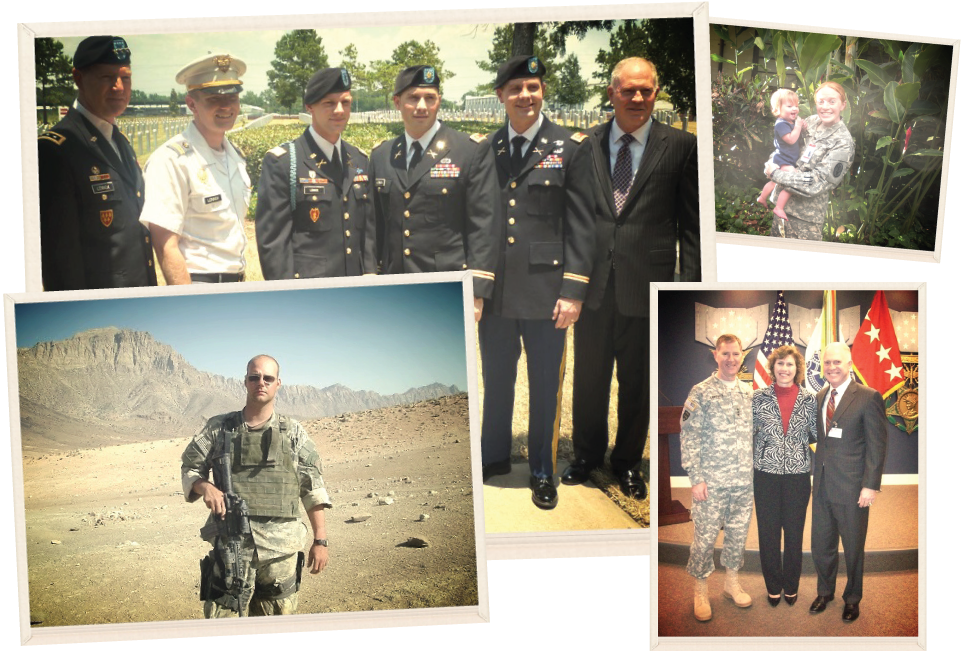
column 785, row 422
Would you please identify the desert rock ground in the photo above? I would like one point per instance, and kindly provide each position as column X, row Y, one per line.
column 110, row 538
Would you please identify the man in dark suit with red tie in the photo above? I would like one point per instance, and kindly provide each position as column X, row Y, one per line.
column 645, row 206
column 91, row 187
column 848, row 462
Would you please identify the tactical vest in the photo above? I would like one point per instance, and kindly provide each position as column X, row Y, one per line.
column 263, row 467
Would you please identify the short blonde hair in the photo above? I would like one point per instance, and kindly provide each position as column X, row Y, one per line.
column 781, row 96
column 619, row 67
column 728, row 339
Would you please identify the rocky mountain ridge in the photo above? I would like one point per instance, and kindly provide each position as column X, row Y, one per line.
column 111, row 383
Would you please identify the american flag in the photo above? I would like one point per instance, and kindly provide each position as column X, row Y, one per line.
column 778, row 334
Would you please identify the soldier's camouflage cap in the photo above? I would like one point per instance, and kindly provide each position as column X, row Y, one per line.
column 101, row 50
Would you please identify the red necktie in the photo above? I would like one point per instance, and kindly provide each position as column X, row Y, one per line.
column 830, row 412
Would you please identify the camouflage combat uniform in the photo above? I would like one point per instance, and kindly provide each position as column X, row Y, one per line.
column 811, row 184
column 716, row 448
column 271, row 550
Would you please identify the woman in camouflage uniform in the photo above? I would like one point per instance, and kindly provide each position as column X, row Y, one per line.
column 826, row 156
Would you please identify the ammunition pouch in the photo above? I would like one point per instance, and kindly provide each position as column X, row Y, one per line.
column 284, row 588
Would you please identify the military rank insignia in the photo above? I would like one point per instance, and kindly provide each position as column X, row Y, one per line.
column 552, row 160
column 578, row 137
column 314, row 214
column 106, row 218
column 52, row 136
column 445, row 171
column 478, row 138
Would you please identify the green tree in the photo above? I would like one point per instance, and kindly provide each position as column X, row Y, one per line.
column 573, row 90
column 668, row 43
column 54, row 78
column 502, row 50
column 174, row 103
column 381, row 74
column 357, row 70
column 299, row 53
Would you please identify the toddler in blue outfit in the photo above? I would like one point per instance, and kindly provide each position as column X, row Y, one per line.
column 787, row 146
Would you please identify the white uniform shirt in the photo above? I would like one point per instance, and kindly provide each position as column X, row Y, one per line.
column 640, row 135
column 202, row 196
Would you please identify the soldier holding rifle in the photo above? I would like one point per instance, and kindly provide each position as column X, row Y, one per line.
column 264, row 466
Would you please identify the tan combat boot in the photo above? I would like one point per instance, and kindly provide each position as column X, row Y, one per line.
column 702, row 605
column 733, row 590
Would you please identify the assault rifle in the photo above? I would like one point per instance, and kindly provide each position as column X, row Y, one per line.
column 232, row 529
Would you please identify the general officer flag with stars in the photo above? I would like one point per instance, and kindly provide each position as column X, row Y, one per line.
column 875, row 354
column 778, row 334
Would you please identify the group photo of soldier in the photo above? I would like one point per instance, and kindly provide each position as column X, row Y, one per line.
column 564, row 180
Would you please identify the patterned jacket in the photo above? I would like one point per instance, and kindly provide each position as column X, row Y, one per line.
column 774, row 451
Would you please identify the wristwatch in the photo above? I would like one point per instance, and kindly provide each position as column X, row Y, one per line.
column 321, row 542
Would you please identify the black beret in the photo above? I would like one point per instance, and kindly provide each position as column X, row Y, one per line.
column 418, row 76
column 325, row 81
column 520, row 66
column 101, row 50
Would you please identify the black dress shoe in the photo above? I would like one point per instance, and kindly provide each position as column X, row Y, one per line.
column 790, row 599
column 543, row 492
column 577, row 473
column 821, row 603
column 851, row 612
column 632, row 484
column 499, row 468
column 774, row 601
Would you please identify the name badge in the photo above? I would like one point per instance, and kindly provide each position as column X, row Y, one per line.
column 834, row 433
column 313, row 190
column 102, row 188
column 808, row 153
column 212, row 199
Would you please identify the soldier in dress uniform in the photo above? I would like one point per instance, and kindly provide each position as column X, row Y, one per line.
column 197, row 183
column 91, row 187
column 544, row 260
column 275, row 468
column 436, row 192
column 311, row 219
column 717, row 453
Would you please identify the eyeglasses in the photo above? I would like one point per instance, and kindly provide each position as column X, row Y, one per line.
column 255, row 378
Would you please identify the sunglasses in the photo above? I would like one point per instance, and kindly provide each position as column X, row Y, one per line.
column 255, row 378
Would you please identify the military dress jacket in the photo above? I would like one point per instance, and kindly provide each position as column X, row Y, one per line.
column 548, row 239
column 442, row 215
column 816, row 177
column 640, row 244
column 323, row 234
column 90, row 203
column 716, row 441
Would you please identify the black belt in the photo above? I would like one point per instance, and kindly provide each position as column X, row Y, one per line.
column 216, row 277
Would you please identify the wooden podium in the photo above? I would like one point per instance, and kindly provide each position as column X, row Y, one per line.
column 669, row 511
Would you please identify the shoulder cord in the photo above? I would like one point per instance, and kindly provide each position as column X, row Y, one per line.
column 293, row 176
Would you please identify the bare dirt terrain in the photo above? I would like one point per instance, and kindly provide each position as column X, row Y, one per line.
column 110, row 538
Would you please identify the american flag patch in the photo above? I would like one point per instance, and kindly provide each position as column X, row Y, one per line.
column 551, row 161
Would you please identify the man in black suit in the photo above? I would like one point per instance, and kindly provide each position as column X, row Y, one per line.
column 848, row 462
column 645, row 205
column 311, row 219
column 91, row 187
column 436, row 192
column 544, row 261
